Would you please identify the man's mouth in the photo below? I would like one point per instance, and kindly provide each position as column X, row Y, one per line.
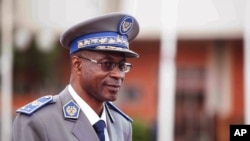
column 113, row 87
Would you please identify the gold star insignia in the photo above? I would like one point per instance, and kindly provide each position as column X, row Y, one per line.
column 111, row 41
column 95, row 40
column 103, row 40
column 86, row 42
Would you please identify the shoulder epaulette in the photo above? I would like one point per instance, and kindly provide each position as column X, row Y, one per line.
column 35, row 105
column 113, row 107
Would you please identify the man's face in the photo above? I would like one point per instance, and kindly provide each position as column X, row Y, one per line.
column 98, row 82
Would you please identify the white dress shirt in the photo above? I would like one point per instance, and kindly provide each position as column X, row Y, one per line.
column 88, row 111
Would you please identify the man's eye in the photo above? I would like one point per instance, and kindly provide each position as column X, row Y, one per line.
column 107, row 63
column 122, row 65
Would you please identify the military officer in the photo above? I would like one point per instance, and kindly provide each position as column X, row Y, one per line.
column 84, row 111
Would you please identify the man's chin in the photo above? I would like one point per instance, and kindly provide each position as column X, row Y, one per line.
column 112, row 99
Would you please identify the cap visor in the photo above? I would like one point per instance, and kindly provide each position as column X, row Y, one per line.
column 128, row 53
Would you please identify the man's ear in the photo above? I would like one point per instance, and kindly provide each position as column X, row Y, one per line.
column 76, row 64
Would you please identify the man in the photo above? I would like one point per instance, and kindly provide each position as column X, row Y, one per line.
column 83, row 110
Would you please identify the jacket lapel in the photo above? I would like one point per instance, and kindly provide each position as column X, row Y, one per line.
column 82, row 129
column 111, row 130
column 111, row 126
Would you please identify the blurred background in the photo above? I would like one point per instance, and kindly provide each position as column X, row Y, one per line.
column 189, row 84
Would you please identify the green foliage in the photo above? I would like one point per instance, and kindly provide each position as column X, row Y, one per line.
column 34, row 69
column 141, row 131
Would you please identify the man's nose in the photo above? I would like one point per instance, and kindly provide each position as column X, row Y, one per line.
column 117, row 73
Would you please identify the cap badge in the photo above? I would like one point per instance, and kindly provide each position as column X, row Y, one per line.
column 71, row 110
column 125, row 25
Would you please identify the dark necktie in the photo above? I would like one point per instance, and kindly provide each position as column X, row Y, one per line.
column 99, row 128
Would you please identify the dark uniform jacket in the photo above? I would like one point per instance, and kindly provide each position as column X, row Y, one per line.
column 58, row 118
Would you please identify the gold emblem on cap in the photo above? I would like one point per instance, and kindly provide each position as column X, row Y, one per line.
column 119, row 39
column 86, row 42
column 103, row 40
column 112, row 41
column 80, row 45
column 126, row 26
column 95, row 40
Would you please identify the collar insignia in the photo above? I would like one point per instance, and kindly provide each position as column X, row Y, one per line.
column 71, row 110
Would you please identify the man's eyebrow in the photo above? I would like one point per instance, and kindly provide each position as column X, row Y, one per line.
column 113, row 58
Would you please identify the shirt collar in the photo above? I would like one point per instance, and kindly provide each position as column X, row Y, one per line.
column 87, row 110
